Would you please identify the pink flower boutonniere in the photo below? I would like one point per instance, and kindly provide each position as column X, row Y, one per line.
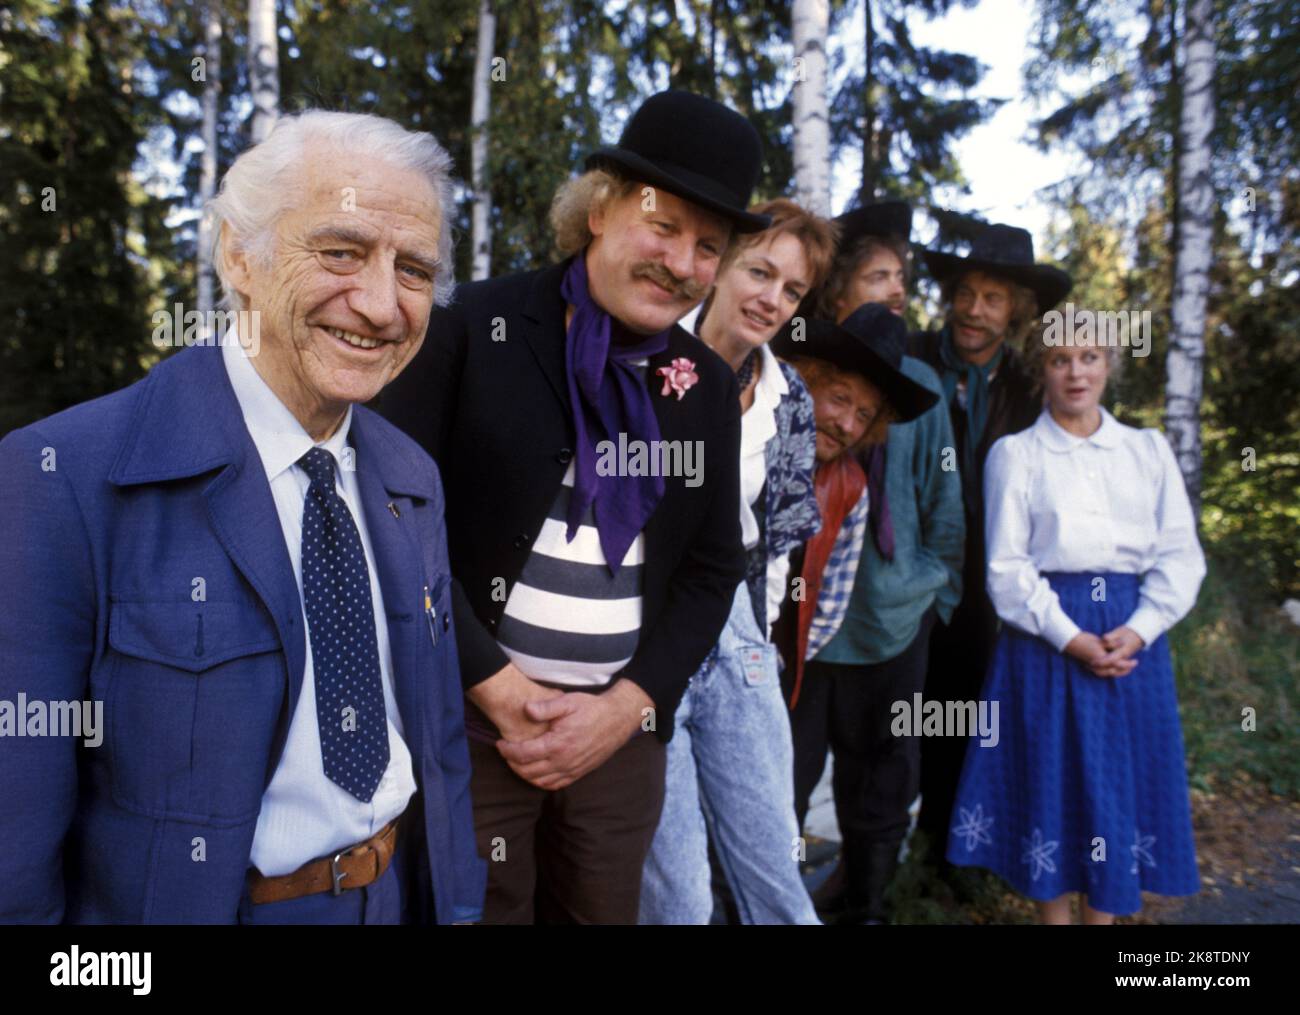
column 679, row 377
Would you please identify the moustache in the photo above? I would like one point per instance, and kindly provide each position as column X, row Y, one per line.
column 976, row 325
column 682, row 288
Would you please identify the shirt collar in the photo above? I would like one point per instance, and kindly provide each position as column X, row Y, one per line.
column 1053, row 437
column 771, row 384
column 279, row 437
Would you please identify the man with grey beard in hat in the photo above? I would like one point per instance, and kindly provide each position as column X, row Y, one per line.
column 588, row 588
column 991, row 299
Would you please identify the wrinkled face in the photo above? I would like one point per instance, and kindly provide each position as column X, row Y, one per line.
column 346, row 297
column 652, row 257
column 1074, row 378
column 980, row 315
column 760, row 290
column 879, row 279
column 844, row 407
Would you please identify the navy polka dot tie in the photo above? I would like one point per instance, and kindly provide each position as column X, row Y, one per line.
column 341, row 623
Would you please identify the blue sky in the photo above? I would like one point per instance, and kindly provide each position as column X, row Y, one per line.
column 1004, row 170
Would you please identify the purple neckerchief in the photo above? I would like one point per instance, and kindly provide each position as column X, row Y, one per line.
column 610, row 396
column 878, row 516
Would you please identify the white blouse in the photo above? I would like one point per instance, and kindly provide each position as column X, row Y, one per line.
column 1114, row 501
column 757, row 427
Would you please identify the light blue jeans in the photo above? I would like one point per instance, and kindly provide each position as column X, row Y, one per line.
column 730, row 777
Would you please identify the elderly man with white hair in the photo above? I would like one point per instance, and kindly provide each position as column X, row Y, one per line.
column 247, row 572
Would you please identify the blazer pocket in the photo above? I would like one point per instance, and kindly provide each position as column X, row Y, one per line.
column 442, row 679
column 193, row 699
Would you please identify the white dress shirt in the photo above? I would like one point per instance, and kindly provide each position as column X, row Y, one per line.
column 304, row 815
column 1113, row 501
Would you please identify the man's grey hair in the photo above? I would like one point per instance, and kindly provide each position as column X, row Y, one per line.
column 259, row 187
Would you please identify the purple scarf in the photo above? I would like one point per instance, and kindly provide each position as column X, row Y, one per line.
column 610, row 396
column 878, row 517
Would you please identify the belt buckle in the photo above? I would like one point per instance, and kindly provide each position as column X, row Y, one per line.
column 336, row 875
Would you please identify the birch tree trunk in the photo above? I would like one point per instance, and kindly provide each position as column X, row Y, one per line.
column 812, row 140
column 1195, row 195
column 208, row 167
column 263, row 67
column 481, row 212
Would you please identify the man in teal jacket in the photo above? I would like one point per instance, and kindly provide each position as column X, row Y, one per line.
column 909, row 574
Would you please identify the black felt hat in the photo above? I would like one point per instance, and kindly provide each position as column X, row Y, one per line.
column 1007, row 251
column 870, row 342
column 695, row 148
column 888, row 219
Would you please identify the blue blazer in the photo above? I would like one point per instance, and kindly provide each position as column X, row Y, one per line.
column 111, row 510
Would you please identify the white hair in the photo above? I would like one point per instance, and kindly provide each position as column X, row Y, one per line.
column 258, row 186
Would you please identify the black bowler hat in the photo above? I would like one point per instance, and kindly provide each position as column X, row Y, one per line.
column 695, row 148
column 1007, row 251
column 887, row 219
column 870, row 342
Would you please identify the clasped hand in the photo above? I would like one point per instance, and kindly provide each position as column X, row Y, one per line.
column 552, row 738
column 1111, row 655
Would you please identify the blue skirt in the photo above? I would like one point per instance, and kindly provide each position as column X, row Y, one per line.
column 1086, row 788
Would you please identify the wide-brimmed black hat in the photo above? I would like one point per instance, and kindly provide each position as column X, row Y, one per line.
column 887, row 219
column 869, row 342
column 695, row 148
column 1007, row 251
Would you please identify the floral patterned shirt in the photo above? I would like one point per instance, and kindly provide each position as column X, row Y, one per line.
column 789, row 516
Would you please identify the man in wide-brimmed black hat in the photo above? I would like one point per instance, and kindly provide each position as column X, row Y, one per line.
column 594, row 561
column 991, row 298
column 909, row 574
column 852, row 369
column 873, row 260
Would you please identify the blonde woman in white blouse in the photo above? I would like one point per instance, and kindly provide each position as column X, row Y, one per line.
column 1093, row 556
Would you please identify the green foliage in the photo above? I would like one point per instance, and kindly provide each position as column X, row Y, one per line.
column 1237, row 650
column 906, row 105
column 77, row 282
column 1109, row 70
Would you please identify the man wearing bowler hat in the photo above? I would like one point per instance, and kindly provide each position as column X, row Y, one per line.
column 590, row 581
column 991, row 298
column 909, row 574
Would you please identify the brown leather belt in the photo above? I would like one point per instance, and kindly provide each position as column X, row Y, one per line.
column 354, row 867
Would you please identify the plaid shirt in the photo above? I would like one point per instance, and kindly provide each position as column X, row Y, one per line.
column 837, row 578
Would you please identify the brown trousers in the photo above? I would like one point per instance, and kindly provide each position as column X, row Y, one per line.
column 572, row 855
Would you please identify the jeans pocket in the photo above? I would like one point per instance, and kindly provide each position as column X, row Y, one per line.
column 758, row 664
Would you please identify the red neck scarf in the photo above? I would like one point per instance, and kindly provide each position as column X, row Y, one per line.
column 838, row 485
